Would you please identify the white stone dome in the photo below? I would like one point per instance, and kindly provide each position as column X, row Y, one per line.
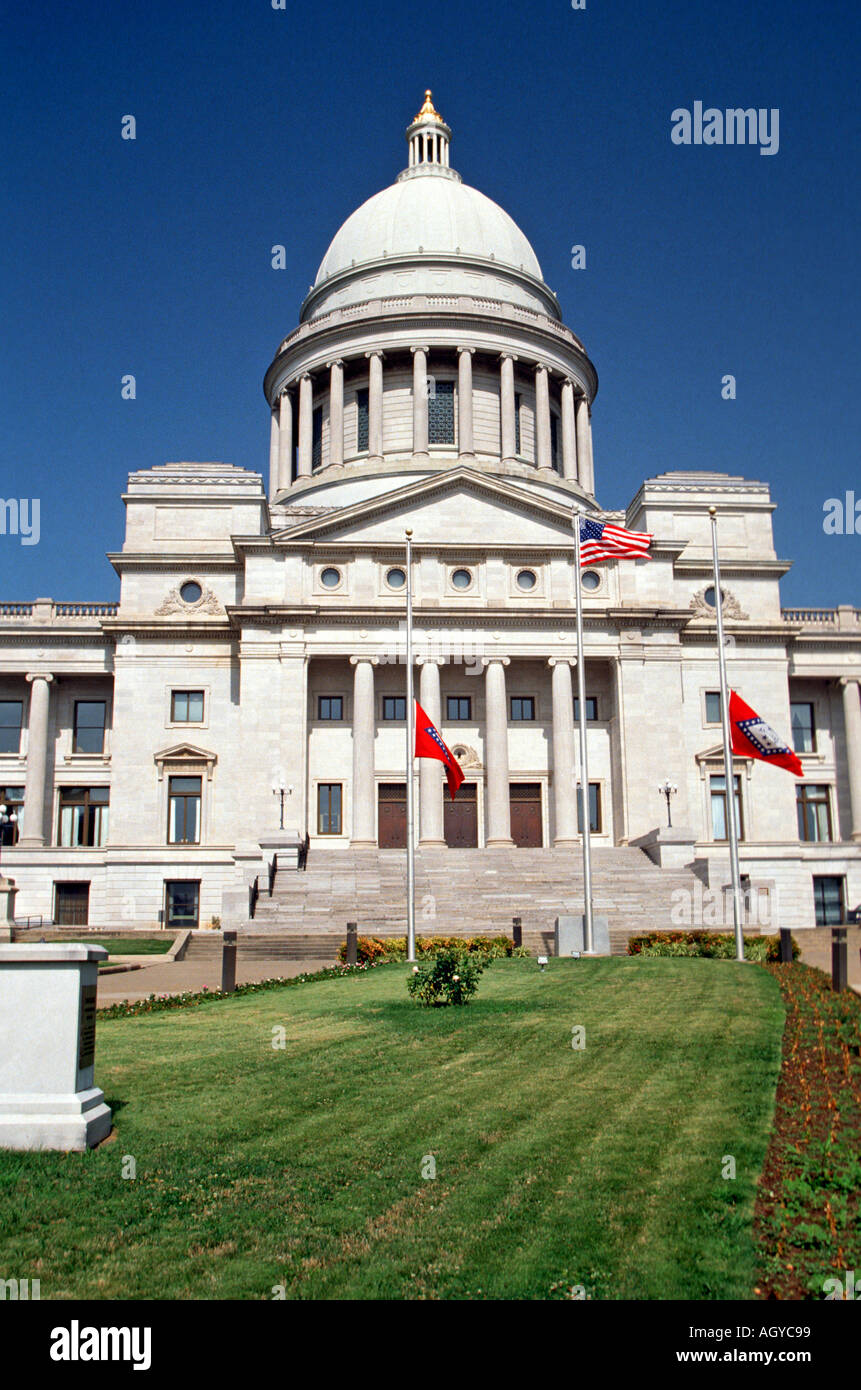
column 430, row 214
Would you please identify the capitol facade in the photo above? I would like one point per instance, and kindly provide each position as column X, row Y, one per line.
column 243, row 704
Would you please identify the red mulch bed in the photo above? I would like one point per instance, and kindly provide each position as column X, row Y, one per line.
column 806, row 1221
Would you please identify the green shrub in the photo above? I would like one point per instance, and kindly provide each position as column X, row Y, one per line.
column 718, row 945
column 372, row 949
column 448, row 977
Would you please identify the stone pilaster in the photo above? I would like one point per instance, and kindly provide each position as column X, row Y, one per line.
column 569, row 432
column 375, row 407
column 564, row 787
column 36, row 794
column 852, row 726
column 496, row 754
column 430, row 771
column 364, row 726
column 506, row 396
column 285, row 441
column 306, row 425
column 542, row 417
column 420, row 402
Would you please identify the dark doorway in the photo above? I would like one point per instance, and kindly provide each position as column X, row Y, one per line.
column 526, row 814
column 392, row 815
column 71, row 904
column 460, row 818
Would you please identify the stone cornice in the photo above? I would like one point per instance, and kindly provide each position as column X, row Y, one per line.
column 703, row 566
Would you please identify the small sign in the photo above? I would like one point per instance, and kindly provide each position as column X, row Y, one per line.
column 87, row 1037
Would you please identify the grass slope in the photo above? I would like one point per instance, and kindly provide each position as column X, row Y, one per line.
column 302, row 1167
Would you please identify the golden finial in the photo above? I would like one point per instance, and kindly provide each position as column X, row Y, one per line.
column 428, row 109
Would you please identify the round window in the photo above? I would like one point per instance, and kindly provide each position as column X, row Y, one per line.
column 591, row 580
column 396, row 579
column 709, row 596
column 191, row 592
column 461, row 579
column 330, row 578
column 526, row 580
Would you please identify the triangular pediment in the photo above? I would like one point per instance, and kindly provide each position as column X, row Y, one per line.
column 185, row 758
column 457, row 506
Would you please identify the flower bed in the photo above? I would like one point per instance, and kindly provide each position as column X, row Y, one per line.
column 808, row 1211
column 373, row 949
column 718, row 945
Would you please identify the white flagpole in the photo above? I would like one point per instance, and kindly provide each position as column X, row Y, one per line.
column 585, row 808
column 729, row 779
column 411, row 854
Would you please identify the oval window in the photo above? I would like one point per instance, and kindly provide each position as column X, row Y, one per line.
column 396, row 579
column 461, row 579
column 330, row 578
column 709, row 596
column 191, row 592
column 526, row 580
column 591, row 580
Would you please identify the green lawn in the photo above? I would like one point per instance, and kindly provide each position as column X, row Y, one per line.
column 302, row 1167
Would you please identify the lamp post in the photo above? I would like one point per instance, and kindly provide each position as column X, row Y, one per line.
column 669, row 791
column 5, row 820
column 281, row 791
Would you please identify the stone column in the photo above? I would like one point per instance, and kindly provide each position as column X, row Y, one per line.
column 306, row 425
column 564, row 784
column 542, row 417
column 336, row 411
column 496, row 755
column 569, row 432
column 420, row 402
column 584, row 447
column 506, row 397
column 33, row 820
column 430, row 771
column 375, row 407
column 466, row 434
column 285, row 441
column 273, row 454
column 364, row 724
column 852, row 725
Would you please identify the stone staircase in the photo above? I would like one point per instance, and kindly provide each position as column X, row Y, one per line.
column 466, row 893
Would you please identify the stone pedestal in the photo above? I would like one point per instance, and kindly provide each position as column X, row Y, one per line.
column 668, row 846
column 48, row 1099
column 571, row 936
column 8, row 892
column 283, row 845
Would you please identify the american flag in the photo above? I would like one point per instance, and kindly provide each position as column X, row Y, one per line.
column 601, row 540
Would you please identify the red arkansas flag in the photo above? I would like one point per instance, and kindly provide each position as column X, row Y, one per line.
column 753, row 738
column 429, row 744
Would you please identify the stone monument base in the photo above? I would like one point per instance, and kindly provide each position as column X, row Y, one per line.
column 54, row 1122
column 570, row 935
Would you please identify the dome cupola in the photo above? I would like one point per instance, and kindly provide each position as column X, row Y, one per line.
column 428, row 138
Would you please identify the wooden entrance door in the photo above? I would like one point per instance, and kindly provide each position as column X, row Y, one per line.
column 392, row 815
column 460, row 818
column 71, row 904
column 526, row 815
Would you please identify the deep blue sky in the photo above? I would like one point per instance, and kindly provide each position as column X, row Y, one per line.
column 257, row 126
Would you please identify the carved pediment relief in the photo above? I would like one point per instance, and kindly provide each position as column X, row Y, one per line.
column 175, row 603
column 466, row 756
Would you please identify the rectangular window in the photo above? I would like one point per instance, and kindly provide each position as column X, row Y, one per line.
column 828, row 897
column 394, row 707
column 518, row 398
column 182, row 903
column 522, row 708
column 330, row 707
column 363, row 422
column 10, row 820
column 11, row 716
column 89, row 726
column 717, row 789
column 803, row 727
column 84, row 816
column 554, row 441
column 814, row 812
column 186, row 707
column 594, row 808
column 712, row 706
column 317, row 438
column 441, row 413
column 183, row 818
column 458, row 708
column 329, row 808
column 591, row 708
